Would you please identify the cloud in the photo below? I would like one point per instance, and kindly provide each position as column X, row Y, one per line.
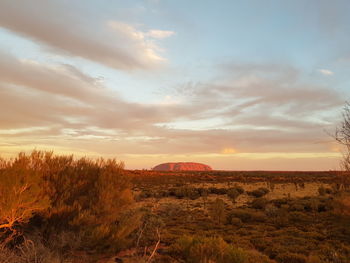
column 257, row 111
column 160, row 34
column 326, row 72
column 268, row 92
column 35, row 94
column 63, row 30
column 261, row 108
column 137, row 40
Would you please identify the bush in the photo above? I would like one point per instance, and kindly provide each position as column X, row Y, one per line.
column 297, row 217
column 218, row 191
column 236, row 221
column 238, row 188
column 202, row 249
column 254, row 256
column 217, row 211
column 322, row 190
column 342, row 205
column 246, row 215
column 290, row 258
column 259, row 203
column 85, row 196
column 232, row 193
column 21, row 194
column 89, row 196
column 260, row 192
column 280, row 202
column 29, row 251
column 271, row 210
column 242, row 214
column 186, row 192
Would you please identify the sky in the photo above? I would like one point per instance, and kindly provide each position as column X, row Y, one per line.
column 237, row 85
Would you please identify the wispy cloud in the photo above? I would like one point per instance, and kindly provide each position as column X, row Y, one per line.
column 160, row 33
column 57, row 28
column 326, row 72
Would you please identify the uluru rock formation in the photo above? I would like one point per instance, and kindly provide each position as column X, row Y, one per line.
column 182, row 166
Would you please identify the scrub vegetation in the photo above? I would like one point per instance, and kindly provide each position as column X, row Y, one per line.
column 61, row 209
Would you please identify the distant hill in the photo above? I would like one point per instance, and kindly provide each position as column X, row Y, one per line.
column 182, row 166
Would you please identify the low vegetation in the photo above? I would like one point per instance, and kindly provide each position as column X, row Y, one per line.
column 61, row 209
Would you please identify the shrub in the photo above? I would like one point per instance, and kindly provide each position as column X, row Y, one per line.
column 203, row 192
column 259, row 203
column 218, row 191
column 242, row 214
column 202, row 249
column 29, row 251
column 254, row 256
column 186, row 192
column 232, row 193
column 238, row 188
column 89, row 196
column 260, row 192
column 314, row 259
column 342, row 205
column 322, row 190
column 21, row 194
column 280, row 202
column 310, row 204
column 85, row 196
column 236, row 221
column 192, row 193
column 290, row 258
column 180, row 192
column 271, row 210
column 217, row 211
column 298, row 217
column 145, row 194
column 246, row 215
column 296, row 207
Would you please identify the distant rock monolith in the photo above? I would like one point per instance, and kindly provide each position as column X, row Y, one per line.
column 188, row 166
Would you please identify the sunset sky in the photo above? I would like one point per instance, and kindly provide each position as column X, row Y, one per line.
column 238, row 85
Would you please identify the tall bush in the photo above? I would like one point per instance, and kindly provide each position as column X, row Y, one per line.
column 21, row 194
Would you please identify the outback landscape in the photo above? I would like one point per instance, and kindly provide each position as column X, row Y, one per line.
column 60, row 209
